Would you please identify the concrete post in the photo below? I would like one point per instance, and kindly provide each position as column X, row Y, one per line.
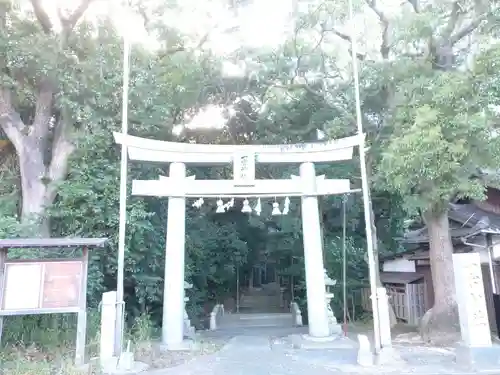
column 108, row 326
column 313, row 254
column 384, row 318
column 173, row 289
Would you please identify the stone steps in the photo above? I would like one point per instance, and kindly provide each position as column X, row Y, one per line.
column 260, row 302
column 255, row 320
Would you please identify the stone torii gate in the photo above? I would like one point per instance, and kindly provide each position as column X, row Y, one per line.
column 177, row 187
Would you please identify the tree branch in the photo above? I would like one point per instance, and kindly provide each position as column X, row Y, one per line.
column 452, row 21
column 42, row 16
column 482, row 10
column 415, row 5
column 347, row 38
column 5, row 6
column 468, row 29
column 69, row 22
column 10, row 121
column 385, row 46
column 10, row 124
column 182, row 48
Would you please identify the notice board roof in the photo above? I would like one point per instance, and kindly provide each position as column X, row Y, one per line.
column 52, row 242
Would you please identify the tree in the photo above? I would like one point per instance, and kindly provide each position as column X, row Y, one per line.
column 39, row 63
column 420, row 46
column 437, row 140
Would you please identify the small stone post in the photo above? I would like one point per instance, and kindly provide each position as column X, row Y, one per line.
column 387, row 355
column 365, row 354
column 108, row 315
column 384, row 318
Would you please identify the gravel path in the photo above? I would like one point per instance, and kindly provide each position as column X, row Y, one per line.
column 262, row 353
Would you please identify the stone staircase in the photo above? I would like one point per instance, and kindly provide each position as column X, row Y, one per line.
column 256, row 320
column 260, row 304
column 266, row 299
column 259, row 308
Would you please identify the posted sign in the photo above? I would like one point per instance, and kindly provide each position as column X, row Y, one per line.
column 43, row 285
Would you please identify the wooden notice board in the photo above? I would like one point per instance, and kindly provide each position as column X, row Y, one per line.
column 43, row 285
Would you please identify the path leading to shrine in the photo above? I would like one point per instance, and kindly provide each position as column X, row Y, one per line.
column 270, row 351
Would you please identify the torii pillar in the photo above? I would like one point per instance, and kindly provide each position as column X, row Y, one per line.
column 313, row 255
column 173, row 289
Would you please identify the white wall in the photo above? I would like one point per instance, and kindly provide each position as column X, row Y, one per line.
column 399, row 265
column 404, row 265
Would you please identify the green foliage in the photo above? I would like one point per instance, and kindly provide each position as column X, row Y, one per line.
column 442, row 135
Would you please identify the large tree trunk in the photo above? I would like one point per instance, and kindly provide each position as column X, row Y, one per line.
column 34, row 190
column 37, row 188
column 440, row 325
column 39, row 177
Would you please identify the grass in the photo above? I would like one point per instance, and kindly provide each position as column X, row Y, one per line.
column 44, row 344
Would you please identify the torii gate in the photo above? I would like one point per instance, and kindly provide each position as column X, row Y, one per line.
column 178, row 186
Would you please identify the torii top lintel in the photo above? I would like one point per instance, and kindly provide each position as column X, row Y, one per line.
column 143, row 149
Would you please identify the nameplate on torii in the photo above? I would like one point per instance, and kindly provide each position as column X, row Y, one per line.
column 244, row 169
column 189, row 187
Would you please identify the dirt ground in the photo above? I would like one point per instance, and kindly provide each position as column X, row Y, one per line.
column 151, row 354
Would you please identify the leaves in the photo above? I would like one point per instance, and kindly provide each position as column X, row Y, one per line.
column 441, row 136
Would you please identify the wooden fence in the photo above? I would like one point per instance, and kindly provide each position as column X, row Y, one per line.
column 366, row 302
column 417, row 299
column 488, row 293
column 408, row 301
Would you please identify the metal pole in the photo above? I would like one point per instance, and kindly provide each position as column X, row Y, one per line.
column 365, row 187
column 344, row 260
column 120, row 311
column 238, row 288
column 489, row 249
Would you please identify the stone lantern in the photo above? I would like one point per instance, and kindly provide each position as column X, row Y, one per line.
column 332, row 321
column 189, row 330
